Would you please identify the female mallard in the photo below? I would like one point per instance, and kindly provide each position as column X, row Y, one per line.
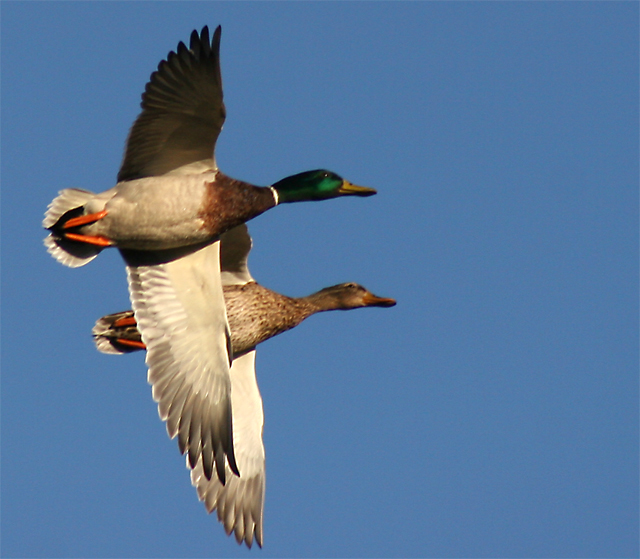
column 170, row 204
column 255, row 314
column 170, row 192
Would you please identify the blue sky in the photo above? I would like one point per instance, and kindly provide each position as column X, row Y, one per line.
column 492, row 413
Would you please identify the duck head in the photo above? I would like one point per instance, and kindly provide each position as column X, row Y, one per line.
column 317, row 185
column 347, row 296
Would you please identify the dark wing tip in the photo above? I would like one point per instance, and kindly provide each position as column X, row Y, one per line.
column 215, row 43
column 195, row 38
column 220, row 470
column 200, row 44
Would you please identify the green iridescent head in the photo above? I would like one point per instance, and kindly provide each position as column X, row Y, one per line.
column 317, row 185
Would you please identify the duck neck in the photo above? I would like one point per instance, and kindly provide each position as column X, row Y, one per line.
column 321, row 301
column 229, row 202
column 256, row 314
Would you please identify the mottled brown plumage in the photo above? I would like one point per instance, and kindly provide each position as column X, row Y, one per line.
column 256, row 313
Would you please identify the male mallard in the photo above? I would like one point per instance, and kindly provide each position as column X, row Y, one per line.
column 255, row 314
column 170, row 202
column 170, row 192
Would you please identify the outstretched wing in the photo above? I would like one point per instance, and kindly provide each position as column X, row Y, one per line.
column 240, row 502
column 180, row 311
column 182, row 111
column 235, row 246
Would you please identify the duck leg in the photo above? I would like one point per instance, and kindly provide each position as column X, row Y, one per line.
column 84, row 220
column 97, row 240
column 79, row 221
column 126, row 321
column 134, row 344
column 118, row 332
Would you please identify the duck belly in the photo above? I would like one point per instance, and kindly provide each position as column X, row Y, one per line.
column 156, row 213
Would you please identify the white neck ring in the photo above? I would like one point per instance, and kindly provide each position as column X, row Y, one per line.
column 275, row 194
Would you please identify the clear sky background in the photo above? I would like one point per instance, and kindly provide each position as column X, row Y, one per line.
column 492, row 413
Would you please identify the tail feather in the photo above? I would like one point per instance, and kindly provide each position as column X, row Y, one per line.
column 68, row 252
column 67, row 199
column 108, row 336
